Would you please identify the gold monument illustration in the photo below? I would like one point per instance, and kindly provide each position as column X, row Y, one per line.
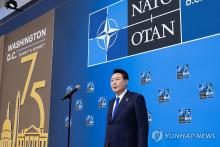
column 31, row 136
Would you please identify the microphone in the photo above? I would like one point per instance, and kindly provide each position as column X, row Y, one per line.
column 69, row 94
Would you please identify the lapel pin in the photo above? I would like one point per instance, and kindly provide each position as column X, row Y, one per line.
column 126, row 99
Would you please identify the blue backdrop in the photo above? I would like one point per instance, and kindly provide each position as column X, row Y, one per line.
column 181, row 81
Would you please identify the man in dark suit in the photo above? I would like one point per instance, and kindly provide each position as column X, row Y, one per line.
column 127, row 124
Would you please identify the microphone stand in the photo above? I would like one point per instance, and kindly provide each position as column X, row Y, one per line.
column 69, row 96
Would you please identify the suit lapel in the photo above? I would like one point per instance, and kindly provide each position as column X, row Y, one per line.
column 111, row 104
column 122, row 104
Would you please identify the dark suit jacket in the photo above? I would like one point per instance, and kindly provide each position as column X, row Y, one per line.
column 129, row 128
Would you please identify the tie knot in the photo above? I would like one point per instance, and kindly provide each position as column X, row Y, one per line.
column 117, row 99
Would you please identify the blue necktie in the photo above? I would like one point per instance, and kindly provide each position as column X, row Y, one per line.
column 116, row 106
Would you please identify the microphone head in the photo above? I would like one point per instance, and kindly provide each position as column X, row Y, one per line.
column 77, row 86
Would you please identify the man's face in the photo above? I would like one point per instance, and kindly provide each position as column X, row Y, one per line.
column 118, row 83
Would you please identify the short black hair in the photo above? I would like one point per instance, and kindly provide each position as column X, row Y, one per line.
column 123, row 72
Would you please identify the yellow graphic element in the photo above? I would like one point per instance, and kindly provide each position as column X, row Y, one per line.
column 32, row 136
column 16, row 118
column 6, row 140
column 29, row 137
column 37, row 98
column 31, row 57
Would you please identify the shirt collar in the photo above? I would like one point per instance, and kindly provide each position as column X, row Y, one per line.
column 121, row 95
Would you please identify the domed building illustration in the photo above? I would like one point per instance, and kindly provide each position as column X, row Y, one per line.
column 6, row 135
column 31, row 136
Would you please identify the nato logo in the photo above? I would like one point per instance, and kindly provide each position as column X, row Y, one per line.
column 145, row 77
column 79, row 105
column 107, row 34
column 185, row 116
column 69, row 88
column 90, row 87
column 163, row 95
column 183, row 71
column 206, row 90
column 149, row 117
column 157, row 135
column 102, row 102
column 89, row 121
column 67, row 122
